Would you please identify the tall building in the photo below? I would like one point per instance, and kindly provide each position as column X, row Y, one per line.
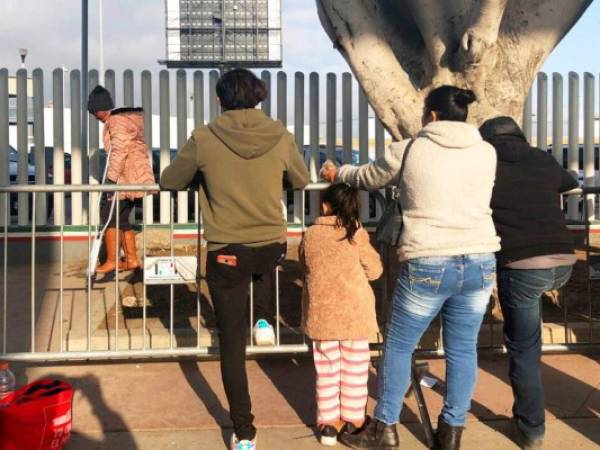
column 223, row 33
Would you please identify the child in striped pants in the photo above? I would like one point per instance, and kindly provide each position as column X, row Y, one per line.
column 339, row 309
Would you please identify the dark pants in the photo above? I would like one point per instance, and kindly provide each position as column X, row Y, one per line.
column 229, row 287
column 520, row 292
column 125, row 208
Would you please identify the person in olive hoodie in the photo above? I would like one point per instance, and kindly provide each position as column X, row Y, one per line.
column 244, row 158
column 537, row 255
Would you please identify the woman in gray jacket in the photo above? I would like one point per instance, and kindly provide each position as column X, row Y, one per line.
column 447, row 250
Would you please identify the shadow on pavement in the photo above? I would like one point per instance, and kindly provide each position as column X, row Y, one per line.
column 566, row 397
column 89, row 387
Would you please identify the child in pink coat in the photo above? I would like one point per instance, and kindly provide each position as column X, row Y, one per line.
column 339, row 308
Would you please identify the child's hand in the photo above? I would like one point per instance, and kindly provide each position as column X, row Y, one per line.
column 328, row 171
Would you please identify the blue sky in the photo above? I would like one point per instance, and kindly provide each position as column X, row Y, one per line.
column 134, row 36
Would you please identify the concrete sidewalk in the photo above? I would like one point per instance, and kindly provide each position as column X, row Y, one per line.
column 478, row 436
column 181, row 405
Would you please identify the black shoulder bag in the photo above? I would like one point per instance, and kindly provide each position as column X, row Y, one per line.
column 390, row 225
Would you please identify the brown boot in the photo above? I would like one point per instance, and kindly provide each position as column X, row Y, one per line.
column 110, row 240
column 129, row 247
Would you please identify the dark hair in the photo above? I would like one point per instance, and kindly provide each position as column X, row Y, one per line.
column 345, row 205
column 240, row 89
column 450, row 102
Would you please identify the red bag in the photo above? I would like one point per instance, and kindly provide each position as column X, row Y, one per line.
column 37, row 417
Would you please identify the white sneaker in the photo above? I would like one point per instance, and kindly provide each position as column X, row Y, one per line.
column 243, row 444
column 264, row 333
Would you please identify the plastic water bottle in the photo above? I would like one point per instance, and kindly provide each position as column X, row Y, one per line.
column 7, row 382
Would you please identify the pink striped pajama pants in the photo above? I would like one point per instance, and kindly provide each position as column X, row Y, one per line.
column 342, row 375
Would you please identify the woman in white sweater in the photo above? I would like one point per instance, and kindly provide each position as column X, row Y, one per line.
column 447, row 250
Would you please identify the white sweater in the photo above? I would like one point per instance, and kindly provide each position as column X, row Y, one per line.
column 445, row 190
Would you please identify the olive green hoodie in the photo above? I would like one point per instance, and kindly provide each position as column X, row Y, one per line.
column 244, row 158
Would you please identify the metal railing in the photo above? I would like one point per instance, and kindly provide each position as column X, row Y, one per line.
column 146, row 349
column 116, row 352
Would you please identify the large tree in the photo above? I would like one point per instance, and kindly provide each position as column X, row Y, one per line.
column 400, row 49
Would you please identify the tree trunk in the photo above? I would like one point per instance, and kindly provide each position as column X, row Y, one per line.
column 400, row 49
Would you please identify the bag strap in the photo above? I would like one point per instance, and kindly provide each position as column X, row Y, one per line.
column 403, row 163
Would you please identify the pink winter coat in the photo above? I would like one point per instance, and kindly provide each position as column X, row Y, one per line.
column 337, row 300
column 129, row 161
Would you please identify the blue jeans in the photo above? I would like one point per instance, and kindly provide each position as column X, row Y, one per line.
column 520, row 292
column 459, row 287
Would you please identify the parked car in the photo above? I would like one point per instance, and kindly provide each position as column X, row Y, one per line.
column 339, row 155
column 565, row 156
column 66, row 165
column 13, row 173
column 13, row 167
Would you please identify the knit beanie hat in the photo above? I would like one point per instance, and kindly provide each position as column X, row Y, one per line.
column 100, row 100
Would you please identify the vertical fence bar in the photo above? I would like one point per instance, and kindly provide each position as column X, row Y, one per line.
column 251, row 311
column 110, row 83
column 363, row 146
column 117, row 259
column 379, row 138
column 347, row 117
column 542, row 111
column 557, row 117
column 39, row 144
column 282, row 116
column 588, row 249
column 89, row 284
column 165, row 140
column 144, row 302
column 148, row 207
column 527, row 115
column 213, row 111
column 282, row 97
column 4, row 143
column 299, row 138
column 94, row 154
column 61, row 272
column 198, row 97
column 128, row 90
column 313, row 168
column 5, row 270
column 22, row 146
column 588, row 140
column 58, row 153
column 331, row 116
column 265, row 76
column 277, row 310
column 379, row 151
column 32, row 287
column 85, row 90
column 77, row 215
column 182, row 134
column 171, row 288
column 572, row 201
column 5, row 205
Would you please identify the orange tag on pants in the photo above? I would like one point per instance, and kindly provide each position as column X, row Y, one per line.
column 228, row 260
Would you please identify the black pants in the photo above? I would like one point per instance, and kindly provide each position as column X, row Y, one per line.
column 228, row 283
column 125, row 208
